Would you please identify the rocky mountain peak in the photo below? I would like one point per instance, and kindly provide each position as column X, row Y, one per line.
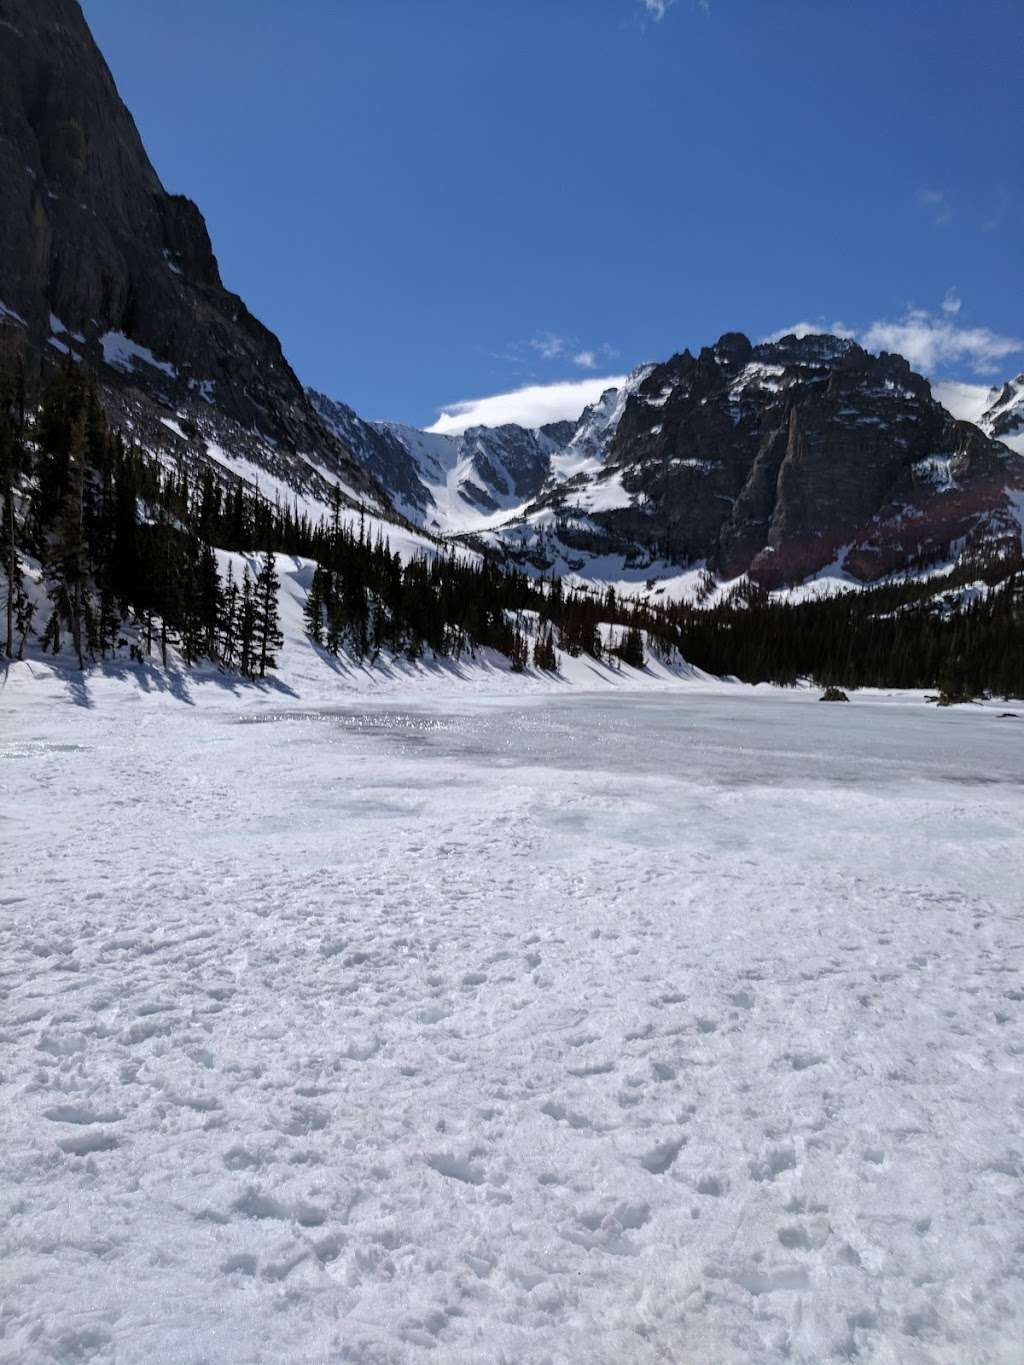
column 1004, row 417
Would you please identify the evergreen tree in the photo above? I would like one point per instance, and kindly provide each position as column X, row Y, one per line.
column 227, row 626
column 544, row 656
column 313, row 610
column 246, row 625
column 631, row 648
column 267, row 622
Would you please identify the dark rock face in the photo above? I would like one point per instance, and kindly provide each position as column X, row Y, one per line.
column 96, row 258
column 775, row 459
column 510, row 464
column 378, row 450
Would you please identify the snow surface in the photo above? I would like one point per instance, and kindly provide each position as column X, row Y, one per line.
column 121, row 353
column 605, row 494
column 445, row 1014
column 9, row 315
column 172, row 424
column 445, row 465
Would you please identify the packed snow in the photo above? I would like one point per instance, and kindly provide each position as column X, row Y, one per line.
column 455, row 1015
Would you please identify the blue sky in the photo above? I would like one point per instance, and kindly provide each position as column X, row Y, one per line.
column 434, row 201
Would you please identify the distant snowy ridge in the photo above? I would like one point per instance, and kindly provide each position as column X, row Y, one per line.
column 1004, row 417
column 775, row 461
column 483, row 477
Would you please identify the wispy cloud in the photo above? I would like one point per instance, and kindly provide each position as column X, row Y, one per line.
column 930, row 342
column 554, row 346
column 937, row 204
column 657, row 9
column 532, row 406
column 549, row 345
column 807, row 329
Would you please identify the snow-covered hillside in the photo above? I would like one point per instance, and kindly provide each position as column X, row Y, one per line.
column 1004, row 416
column 485, row 476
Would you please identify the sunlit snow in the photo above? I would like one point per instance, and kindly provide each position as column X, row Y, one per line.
column 481, row 1019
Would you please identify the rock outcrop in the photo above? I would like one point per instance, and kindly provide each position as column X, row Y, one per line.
column 98, row 261
column 780, row 459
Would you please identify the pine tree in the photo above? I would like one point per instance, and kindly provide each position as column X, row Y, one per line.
column 313, row 610
column 227, row 625
column 246, row 625
column 267, row 620
column 631, row 648
column 544, row 656
column 518, row 651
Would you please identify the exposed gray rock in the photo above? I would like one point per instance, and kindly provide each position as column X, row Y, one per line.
column 780, row 459
column 99, row 261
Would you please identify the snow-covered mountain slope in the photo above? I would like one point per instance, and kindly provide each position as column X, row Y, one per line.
column 784, row 461
column 485, row 476
column 1004, row 417
column 778, row 461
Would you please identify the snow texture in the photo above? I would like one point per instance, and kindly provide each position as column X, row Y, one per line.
column 121, row 353
column 9, row 315
column 460, row 1024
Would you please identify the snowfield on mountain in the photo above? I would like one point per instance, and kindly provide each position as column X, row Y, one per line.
column 476, row 1019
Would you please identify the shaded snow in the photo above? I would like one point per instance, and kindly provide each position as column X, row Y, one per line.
column 9, row 315
column 121, row 353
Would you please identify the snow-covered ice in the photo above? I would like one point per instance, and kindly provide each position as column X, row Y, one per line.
column 670, row 1027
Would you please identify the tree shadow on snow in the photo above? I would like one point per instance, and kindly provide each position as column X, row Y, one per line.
column 73, row 679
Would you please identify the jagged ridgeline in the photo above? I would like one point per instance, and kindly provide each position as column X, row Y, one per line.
column 130, row 554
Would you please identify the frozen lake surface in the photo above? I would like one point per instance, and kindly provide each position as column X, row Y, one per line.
column 682, row 1027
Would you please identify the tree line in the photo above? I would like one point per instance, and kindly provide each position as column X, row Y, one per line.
column 963, row 634
column 124, row 544
column 128, row 544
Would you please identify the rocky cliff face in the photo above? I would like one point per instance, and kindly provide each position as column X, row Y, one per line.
column 780, row 459
column 98, row 261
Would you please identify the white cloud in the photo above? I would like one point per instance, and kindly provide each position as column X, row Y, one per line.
column 657, row 9
column 586, row 360
column 806, row 329
column 937, row 204
column 532, row 406
column 549, row 344
column 928, row 342
column 966, row 401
